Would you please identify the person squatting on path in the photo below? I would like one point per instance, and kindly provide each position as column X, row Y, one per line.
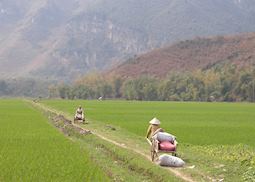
column 79, row 115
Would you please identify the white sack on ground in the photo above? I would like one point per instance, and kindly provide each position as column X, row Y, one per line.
column 170, row 161
column 163, row 136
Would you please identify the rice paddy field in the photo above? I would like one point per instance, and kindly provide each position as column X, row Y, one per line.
column 216, row 140
column 32, row 150
column 192, row 123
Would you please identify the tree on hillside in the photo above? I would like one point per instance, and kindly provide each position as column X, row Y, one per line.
column 219, row 83
column 65, row 92
column 245, row 87
column 117, row 84
column 83, row 92
column 53, row 91
column 106, row 91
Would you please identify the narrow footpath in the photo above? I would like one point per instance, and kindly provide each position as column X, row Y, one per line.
column 173, row 171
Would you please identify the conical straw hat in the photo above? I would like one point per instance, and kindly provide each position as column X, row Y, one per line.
column 155, row 121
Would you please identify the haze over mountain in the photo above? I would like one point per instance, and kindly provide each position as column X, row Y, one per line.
column 64, row 39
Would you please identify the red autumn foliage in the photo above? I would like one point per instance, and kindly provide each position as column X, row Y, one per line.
column 190, row 55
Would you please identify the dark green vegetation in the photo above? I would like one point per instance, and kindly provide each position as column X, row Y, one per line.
column 220, row 83
column 32, row 150
column 27, row 87
column 215, row 137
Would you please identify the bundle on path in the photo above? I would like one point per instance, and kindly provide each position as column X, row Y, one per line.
column 170, row 161
column 167, row 142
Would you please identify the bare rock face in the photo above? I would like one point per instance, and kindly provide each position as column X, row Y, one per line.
column 62, row 39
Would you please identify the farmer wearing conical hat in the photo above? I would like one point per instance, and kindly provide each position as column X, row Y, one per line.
column 154, row 128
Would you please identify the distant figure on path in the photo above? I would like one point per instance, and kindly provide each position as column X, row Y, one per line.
column 79, row 115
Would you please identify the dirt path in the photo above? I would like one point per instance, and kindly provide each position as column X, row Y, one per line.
column 174, row 171
column 177, row 173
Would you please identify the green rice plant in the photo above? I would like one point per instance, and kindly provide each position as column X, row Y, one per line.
column 194, row 123
column 118, row 163
column 32, row 150
column 216, row 138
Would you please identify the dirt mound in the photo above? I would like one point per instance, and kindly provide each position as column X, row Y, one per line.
column 66, row 126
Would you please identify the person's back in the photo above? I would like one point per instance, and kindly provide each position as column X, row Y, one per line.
column 153, row 128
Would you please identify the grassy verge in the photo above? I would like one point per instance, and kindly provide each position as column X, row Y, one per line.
column 213, row 148
column 119, row 164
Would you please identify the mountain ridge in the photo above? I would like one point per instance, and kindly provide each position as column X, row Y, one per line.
column 191, row 55
column 61, row 39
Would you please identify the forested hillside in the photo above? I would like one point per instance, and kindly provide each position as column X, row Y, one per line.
column 191, row 55
column 202, row 69
column 227, row 83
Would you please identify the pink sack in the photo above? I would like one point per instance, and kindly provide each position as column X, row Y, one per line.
column 167, row 146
